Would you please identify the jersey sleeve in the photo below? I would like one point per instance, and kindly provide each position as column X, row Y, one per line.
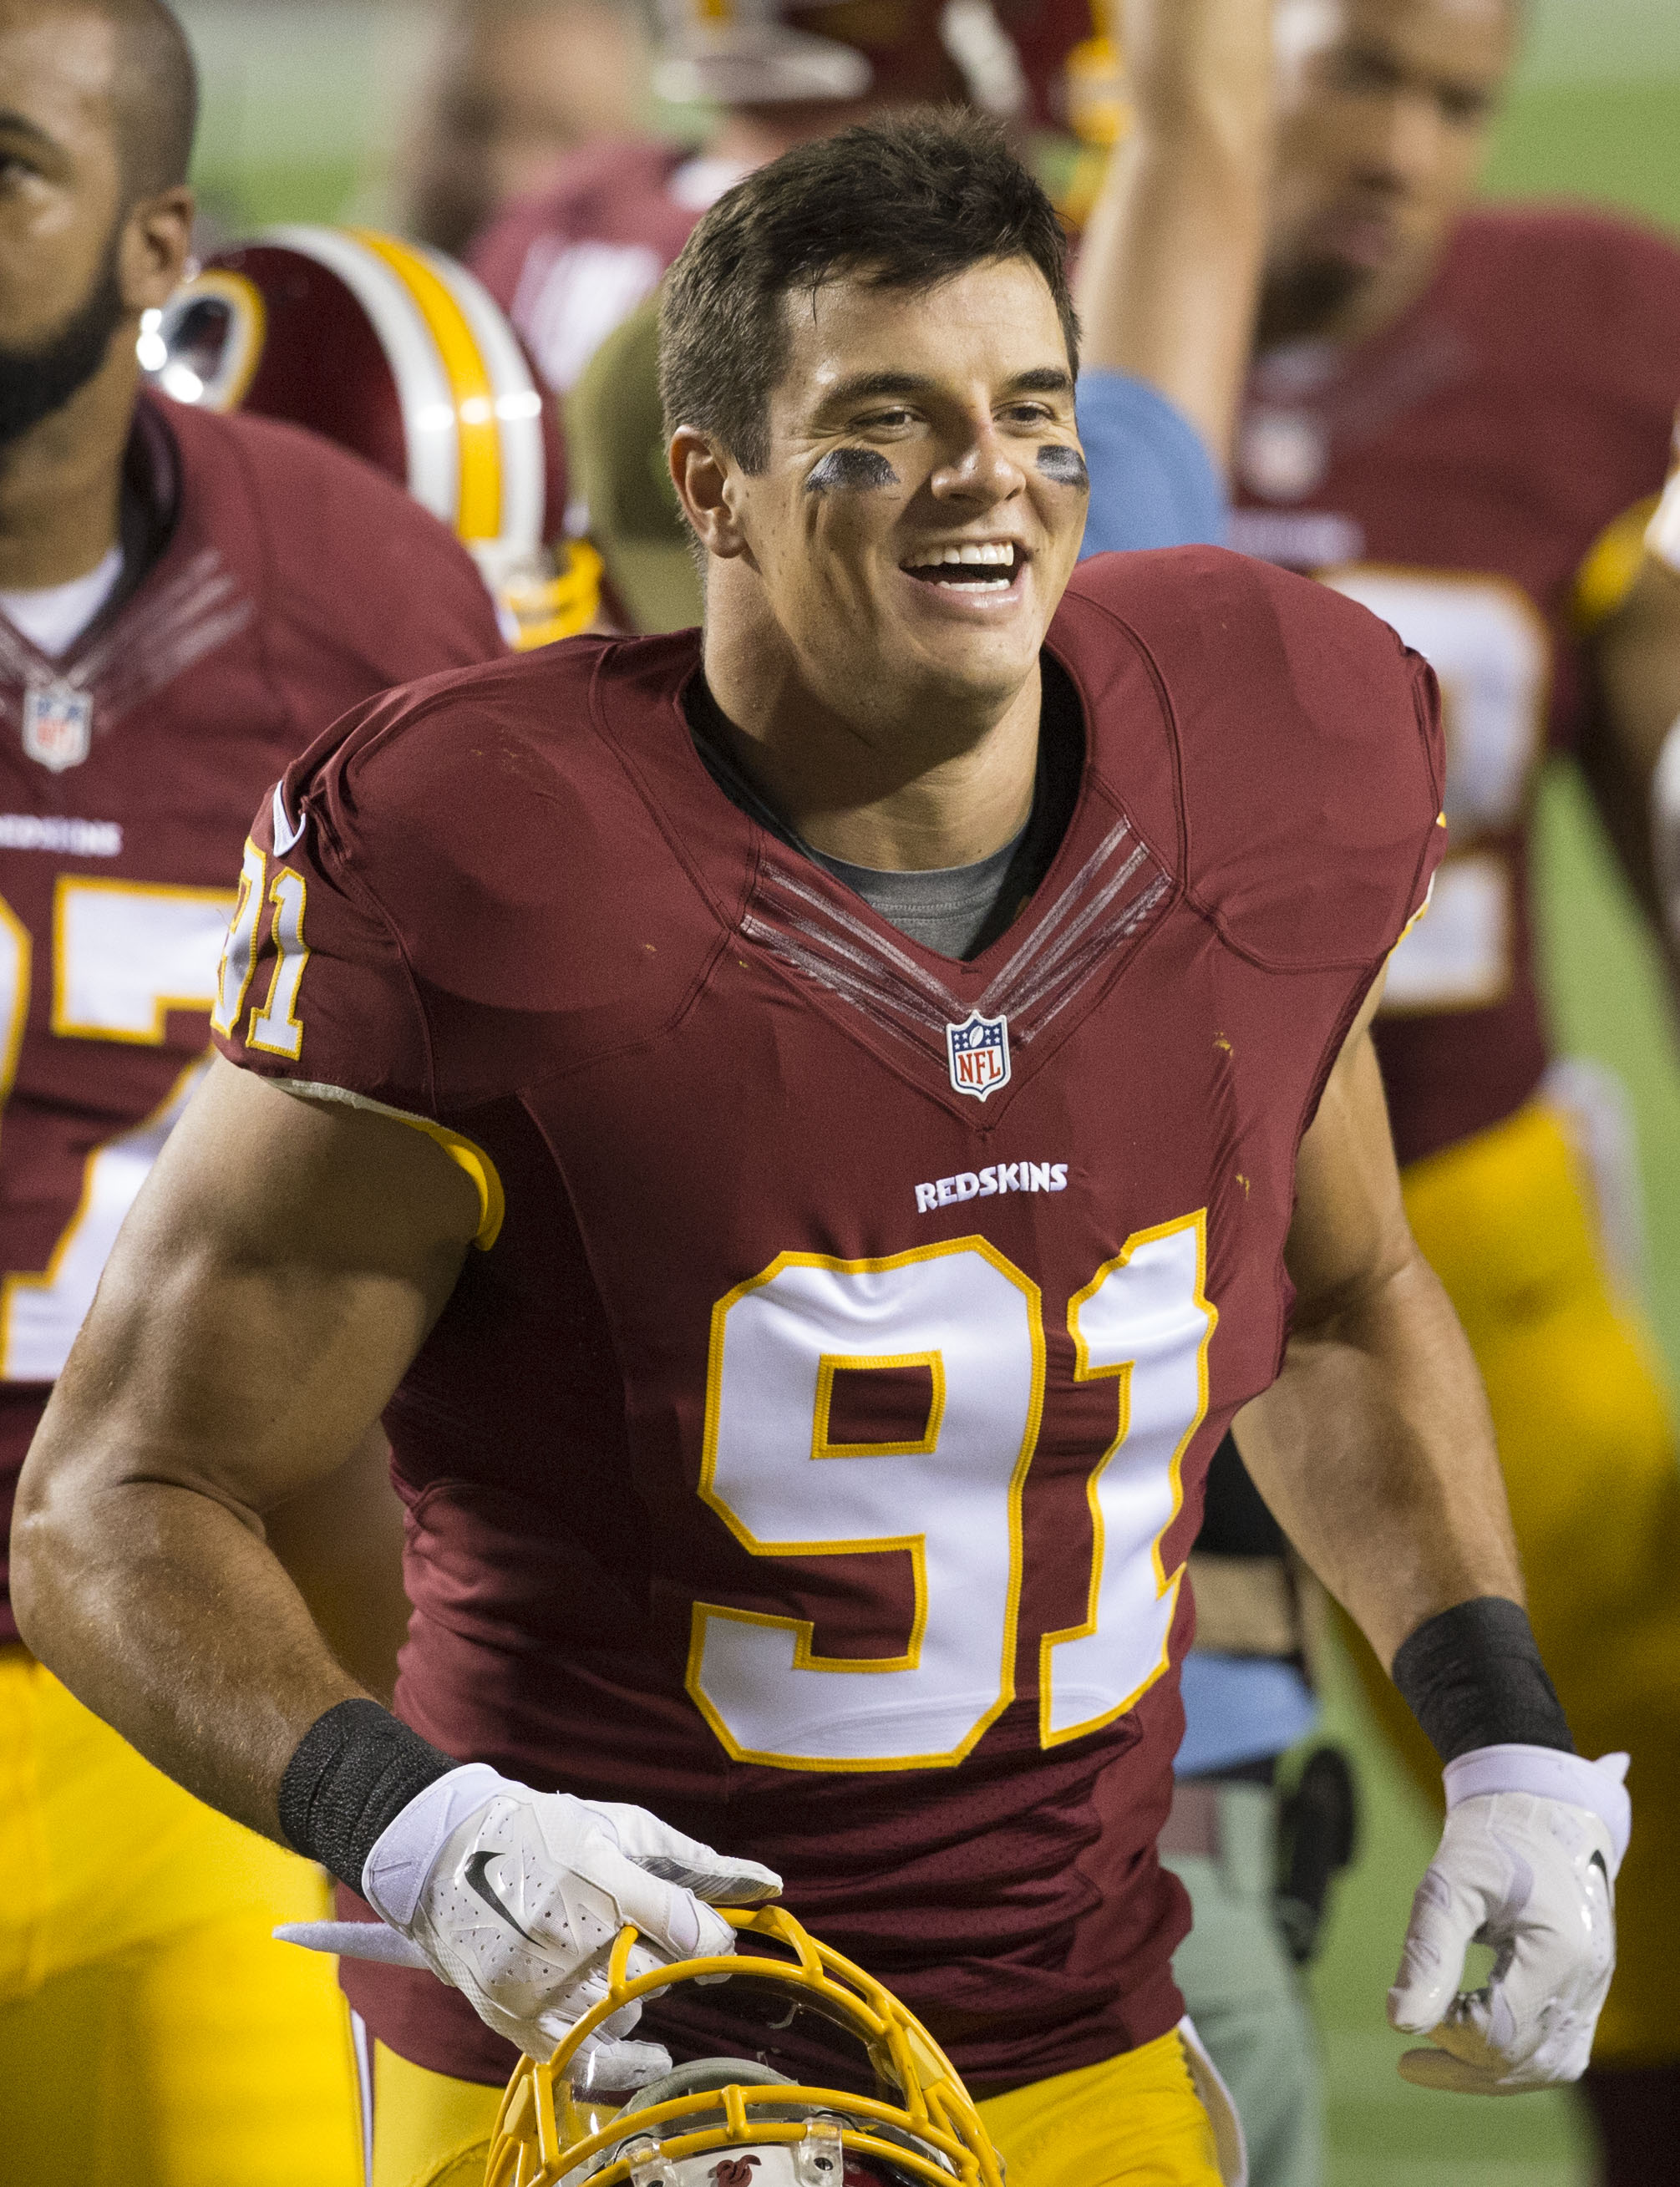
column 1317, row 837
column 1308, row 748
column 1152, row 482
column 315, row 988
column 415, row 886
column 332, row 983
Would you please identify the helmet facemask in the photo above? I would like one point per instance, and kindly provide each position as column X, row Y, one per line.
column 835, row 2083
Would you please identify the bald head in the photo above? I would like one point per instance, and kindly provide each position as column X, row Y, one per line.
column 97, row 102
column 155, row 98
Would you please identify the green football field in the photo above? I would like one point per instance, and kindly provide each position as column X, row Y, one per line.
column 1620, row 144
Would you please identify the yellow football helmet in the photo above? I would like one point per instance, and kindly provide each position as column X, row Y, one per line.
column 740, row 2121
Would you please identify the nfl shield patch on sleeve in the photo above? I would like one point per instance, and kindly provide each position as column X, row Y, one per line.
column 978, row 1054
column 58, row 725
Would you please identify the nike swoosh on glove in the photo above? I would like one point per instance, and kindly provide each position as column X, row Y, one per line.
column 515, row 1897
column 1527, row 1864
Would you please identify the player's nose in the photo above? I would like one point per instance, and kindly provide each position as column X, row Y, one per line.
column 980, row 469
column 1403, row 156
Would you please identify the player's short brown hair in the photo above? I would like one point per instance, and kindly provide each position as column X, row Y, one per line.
column 902, row 203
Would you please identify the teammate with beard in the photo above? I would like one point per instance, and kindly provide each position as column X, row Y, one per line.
column 185, row 600
column 809, row 1131
column 1460, row 416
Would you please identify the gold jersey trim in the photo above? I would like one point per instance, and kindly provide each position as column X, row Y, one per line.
column 467, row 1156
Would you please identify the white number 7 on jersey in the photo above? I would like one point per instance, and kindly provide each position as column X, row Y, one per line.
column 950, row 1501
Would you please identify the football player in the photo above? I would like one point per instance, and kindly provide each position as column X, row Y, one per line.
column 570, row 263
column 1460, row 416
column 517, row 85
column 808, row 1132
column 185, row 602
column 1168, row 269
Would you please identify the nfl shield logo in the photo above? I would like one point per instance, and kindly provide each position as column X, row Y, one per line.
column 58, row 725
column 979, row 1049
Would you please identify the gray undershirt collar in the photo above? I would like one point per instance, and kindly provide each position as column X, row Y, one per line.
column 944, row 908
column 947, row 909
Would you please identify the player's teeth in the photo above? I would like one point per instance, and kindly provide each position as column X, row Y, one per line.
column 983, row 553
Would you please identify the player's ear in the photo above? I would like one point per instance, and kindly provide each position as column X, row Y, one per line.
column 157, row 239
column 702, row 472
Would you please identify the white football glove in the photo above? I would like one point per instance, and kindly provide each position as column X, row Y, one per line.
column 1527, row 1864
column 515, row 1898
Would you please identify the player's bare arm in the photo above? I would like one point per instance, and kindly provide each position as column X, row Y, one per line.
column 283, row 1265
column 1374, row 1447
column 281, row 1268
column 1632, row 753
column 1170, row 259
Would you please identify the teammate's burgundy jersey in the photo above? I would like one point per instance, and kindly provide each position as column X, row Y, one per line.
column 811, row 1454
column 294, row 581
column 570, row 263
column 1452, row 473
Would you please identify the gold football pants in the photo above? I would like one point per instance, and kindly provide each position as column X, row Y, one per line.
column 1134, row 2122
column 152, row 2034
column 1587, row 1445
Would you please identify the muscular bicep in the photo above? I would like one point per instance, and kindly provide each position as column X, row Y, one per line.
column 276, row 1275
column 1350, row 1231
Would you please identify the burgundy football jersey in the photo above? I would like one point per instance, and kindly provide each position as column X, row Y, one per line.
column 572, row 262
column 294, row 581
column 812, row 1451
column 1452, row 474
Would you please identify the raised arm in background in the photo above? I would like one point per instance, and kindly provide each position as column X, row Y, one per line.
column 1169, row 264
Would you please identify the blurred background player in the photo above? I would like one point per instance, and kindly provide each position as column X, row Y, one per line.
column 569, row 264
column 1170, row 262
column 1460, row 417
column 517, row 85
column 185, row 602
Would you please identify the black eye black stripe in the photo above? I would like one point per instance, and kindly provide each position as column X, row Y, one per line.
column 1065, row 466
column 850, row 470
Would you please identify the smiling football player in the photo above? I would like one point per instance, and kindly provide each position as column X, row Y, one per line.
column 592, row 1026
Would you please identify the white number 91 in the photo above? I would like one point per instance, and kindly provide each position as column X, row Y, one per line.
column 949, row 1499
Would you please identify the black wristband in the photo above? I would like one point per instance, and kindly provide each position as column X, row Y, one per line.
column 1472, row 1677
column 355, row 1770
